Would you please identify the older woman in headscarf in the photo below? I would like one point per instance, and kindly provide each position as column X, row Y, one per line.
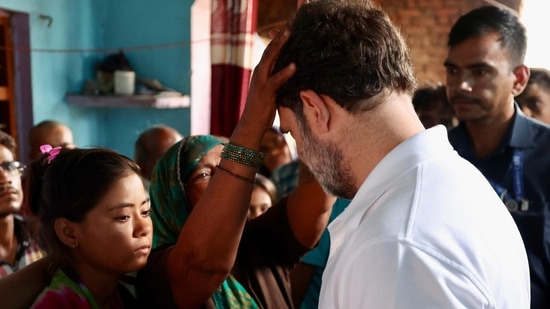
column 269, row 248
column 213, row 262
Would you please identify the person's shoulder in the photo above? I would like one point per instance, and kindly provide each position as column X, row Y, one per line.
column 533, row 129
column 539, row 125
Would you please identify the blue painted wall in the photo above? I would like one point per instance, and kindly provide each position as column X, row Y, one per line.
column 153, row 35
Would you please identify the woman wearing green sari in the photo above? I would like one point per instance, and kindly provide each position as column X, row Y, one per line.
column 200, row 194
column 268, row 249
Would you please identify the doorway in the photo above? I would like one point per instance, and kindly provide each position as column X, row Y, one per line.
column 7, row 108
column 16, row 116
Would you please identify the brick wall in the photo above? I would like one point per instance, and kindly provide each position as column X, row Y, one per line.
column 425, row 25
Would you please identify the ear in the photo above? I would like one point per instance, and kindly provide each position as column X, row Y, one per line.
column 522, row 74
column 316, row 111
column 66, row 232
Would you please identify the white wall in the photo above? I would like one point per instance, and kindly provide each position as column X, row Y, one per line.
column 535, row 18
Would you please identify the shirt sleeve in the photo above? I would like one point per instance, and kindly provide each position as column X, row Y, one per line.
column 400, row 275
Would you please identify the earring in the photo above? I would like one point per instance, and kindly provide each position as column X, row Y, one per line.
column 74, row 245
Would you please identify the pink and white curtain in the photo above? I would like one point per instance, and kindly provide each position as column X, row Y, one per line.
column 233, row 27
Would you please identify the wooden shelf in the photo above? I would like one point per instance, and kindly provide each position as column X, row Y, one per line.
column 140, row 100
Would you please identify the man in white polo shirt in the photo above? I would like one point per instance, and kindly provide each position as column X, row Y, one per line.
column 424, row 228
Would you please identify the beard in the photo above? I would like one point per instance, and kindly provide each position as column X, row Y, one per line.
column 326, row 163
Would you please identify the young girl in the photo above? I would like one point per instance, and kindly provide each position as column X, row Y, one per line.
column 95, row 225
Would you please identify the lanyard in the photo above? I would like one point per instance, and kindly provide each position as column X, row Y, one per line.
column 517, row 173
column 517, row 177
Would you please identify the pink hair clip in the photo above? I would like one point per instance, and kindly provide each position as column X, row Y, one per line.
column 52, row 152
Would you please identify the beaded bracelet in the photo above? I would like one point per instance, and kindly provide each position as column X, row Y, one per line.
column 242, row 155
column 235, row 175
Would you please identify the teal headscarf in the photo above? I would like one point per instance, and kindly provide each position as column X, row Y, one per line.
column 169, row 203
column 170, row 207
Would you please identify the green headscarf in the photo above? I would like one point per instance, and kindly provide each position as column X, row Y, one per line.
column 170, row 207
column 169, row 203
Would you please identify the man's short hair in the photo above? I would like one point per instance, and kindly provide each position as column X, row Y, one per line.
column 491, row 19
column 541, row 77
column 347, row 50
column 7, row 141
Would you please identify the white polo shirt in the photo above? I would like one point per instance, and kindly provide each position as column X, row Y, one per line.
column 425, row 230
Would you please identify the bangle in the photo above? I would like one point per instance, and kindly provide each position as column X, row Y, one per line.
column 242, row 155
column 235, row 175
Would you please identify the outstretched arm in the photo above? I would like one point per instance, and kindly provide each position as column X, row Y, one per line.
column 207, row 246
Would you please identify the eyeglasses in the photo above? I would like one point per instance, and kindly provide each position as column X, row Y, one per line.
column 12, row 167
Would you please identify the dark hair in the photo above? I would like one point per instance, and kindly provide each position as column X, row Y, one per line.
column 540, row 76
column 491, row 19
column 268, row 185
column 69, row 187
column 7, row 141
column 347, row 50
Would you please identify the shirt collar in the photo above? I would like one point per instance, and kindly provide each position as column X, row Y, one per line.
column 426, row 145
column 429, row 144
column 21, row 231
column 519, row 135
column 522, row 130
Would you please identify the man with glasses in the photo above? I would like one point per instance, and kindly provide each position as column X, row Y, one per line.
column 17, row 249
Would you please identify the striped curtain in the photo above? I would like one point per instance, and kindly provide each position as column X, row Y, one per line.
column 233, row 25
